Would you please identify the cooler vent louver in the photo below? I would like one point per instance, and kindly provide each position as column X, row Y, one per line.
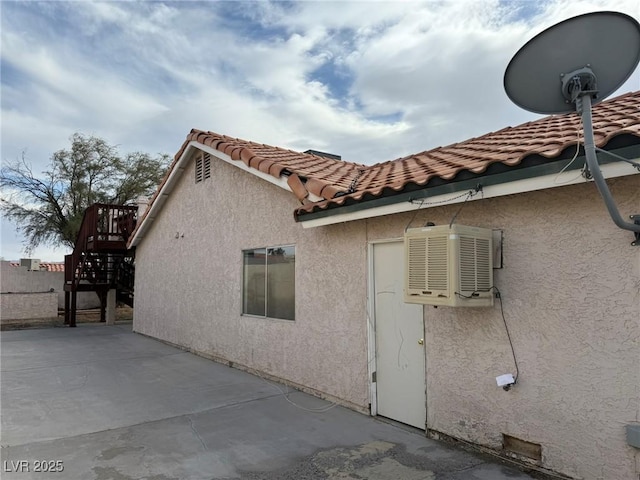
column 449, row 266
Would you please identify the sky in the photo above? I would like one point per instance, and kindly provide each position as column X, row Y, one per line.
column 368, row 80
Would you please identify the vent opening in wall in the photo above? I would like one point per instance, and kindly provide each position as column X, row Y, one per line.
column 203, row 167
column 206, row 160
column 198, row 168
column 449, row 265
column 521, row 449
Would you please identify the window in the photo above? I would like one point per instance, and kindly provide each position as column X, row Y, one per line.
column 269, row 282
column 203, row 167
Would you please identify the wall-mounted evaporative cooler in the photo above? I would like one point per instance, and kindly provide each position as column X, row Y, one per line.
column 449, row 265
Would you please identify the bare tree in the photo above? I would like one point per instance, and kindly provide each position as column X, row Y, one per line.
column 48, row 208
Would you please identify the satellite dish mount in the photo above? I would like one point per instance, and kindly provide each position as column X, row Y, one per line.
column 584, row 53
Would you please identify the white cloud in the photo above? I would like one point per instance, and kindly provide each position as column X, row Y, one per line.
column 371, row 81
column 74, row 92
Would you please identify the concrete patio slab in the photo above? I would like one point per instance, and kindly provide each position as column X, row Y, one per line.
column 100, row 402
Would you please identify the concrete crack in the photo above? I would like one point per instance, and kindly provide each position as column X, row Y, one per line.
column 85, row 378
column 195, row 432
column 121, row 359
column 157, row 420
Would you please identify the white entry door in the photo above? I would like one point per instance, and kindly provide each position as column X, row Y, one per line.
column 399, row 332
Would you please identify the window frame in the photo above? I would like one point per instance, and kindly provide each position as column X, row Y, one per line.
column 266, row 290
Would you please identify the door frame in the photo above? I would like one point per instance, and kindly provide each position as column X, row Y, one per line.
column 371, row 322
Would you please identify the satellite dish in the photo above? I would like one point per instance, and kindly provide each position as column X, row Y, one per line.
column 600, row 47
column 571, row 66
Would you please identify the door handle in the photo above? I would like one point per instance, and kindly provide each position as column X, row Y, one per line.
column 421, row 341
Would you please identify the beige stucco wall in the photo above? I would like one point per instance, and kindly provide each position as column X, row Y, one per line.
column 570, row 287
column 21, row 279
column 27, row 306
column 189, row 289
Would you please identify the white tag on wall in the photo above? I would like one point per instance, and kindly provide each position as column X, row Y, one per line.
column 506, row 379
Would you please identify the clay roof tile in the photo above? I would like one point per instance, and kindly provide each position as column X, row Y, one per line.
column 297, row 187
column 326, row 177
column 246, row 155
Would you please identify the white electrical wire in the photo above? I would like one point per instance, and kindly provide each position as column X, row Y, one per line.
column 555, row 180
column 286, row 396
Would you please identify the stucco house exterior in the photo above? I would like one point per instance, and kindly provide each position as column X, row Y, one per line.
column 291, row 265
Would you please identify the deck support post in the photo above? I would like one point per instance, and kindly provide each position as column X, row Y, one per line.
column 111, row 307
column 72, row 312
column 67, row 301
column 102, row 294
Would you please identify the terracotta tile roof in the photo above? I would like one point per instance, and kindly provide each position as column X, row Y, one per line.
column 339, row 182
column 50, row 267
column 322, row 176
column 306, row 172
column 547, row 137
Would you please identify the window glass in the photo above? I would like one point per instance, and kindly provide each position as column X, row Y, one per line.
column 281, row 282
column 269, row 282
column 254, row 282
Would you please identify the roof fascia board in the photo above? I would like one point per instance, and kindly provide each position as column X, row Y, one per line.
column 161, row 198
column 522, row 180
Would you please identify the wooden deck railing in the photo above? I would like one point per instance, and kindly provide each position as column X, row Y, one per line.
column 104, row 228
column 100, row 253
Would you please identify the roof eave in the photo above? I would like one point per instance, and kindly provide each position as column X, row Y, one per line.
column 538, row 177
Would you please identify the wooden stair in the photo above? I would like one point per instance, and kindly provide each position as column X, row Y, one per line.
column 100, row 260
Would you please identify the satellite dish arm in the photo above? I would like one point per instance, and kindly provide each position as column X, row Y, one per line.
column 584, row 103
